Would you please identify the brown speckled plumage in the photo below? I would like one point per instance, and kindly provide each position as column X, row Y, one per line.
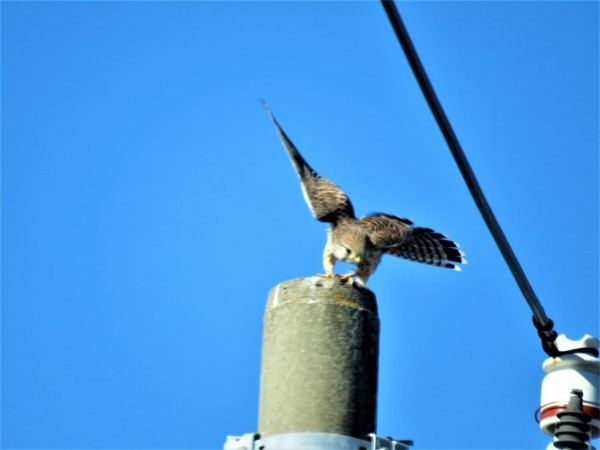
column 364, row 241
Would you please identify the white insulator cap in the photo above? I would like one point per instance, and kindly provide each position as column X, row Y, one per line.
column 578, row 370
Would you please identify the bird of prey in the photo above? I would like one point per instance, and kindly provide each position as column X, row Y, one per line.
column 364, row 241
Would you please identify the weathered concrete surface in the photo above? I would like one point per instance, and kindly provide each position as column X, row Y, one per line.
column 319, row 359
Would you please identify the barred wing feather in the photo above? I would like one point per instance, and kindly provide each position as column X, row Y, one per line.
column 397, row 236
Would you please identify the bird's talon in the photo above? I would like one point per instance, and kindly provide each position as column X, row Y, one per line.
column 348, row 278
column 343, row 278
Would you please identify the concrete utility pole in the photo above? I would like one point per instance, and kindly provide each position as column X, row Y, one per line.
column 319, row 359
column 318, row 387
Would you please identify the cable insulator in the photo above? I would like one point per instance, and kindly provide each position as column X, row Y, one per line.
column 572, row 430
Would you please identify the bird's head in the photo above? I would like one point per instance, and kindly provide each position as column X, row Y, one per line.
column 352, row 245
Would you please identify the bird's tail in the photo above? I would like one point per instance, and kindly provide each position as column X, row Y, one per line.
column 430, row 247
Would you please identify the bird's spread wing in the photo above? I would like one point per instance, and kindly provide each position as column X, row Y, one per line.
column 327, row 202
column 385, row 230
column 397, row 236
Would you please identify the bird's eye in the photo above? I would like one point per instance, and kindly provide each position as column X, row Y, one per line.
column 348, row 251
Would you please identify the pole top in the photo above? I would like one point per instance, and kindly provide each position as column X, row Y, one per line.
column 312, row 290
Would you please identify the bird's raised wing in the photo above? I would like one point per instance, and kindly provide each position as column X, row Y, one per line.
column 397, row 236
column 327, row 202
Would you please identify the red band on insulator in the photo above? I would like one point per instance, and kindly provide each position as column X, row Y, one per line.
column 552, row 410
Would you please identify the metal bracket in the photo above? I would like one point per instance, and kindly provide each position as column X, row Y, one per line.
column 387, row 443
column 243, row 442
column 313, row 441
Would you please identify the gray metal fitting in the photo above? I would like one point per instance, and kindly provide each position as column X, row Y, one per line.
column 313, row 441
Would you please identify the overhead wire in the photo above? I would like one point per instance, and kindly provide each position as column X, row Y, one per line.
column 542, row 322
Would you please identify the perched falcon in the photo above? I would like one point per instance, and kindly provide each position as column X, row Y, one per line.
column 364, row 241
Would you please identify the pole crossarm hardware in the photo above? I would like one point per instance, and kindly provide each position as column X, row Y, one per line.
column 314, row 441
column 543, row 324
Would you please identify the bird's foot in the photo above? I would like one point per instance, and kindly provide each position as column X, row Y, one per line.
column 343, row 278
column 327, row 275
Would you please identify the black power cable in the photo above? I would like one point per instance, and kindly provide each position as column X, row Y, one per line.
column 541, row 321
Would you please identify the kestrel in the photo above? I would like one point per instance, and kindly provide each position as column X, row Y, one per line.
column 364, row 241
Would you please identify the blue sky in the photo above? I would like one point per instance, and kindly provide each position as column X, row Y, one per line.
column 148, row 207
